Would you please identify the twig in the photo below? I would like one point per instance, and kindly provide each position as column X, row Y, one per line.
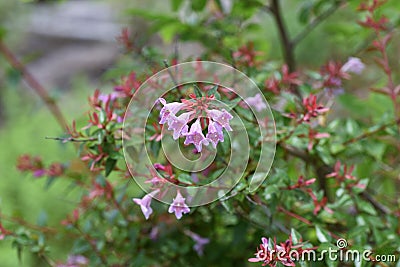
column 34, row 84
column 294, row 215
column 292, row 150
column 169, row 72
column 367, row 134
column 94, row 247
column 287, row 47
column 367, row 41
column 380, row 207
column 302, row 219
column 43, row 229
column 71, row 139
column 315, row 22
column 46, row 260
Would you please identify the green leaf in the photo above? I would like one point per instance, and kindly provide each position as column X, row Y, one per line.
column 270, row 190
column 102, row 116
column 296, row 237
column 365, row 206
column 376, row 149
column 322, row 235
column 197, row 90
column 110, row 164
column 336, row 148
column 101, row 180
column 198, row 5
column 168, row 32
column 49, row 182
column 305, row 12
column 185, row 178
column 233, row 103
column 212, row 91
column 175, row 4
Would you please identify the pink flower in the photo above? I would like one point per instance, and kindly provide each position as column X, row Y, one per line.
column 39, row 172
column 200, row 242
column 154, row 233
column 168, row 109
column 105, row 97
column 312, row 135
column 75, row 261
column 312, row 108
column 347, row 172
column 145, row 202
column 179, row 124
column 302, row 183
column 277, row 253
column 222, row 117
column 256, row 102
column 156, row 181
column 195, row 136
column 215, row 133
column 354, row 65
column 179, row 206
column 262, row 253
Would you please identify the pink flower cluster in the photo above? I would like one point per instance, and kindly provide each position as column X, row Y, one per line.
column 217, row 120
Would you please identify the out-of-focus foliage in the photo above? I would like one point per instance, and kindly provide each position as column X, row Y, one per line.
column 336, row 168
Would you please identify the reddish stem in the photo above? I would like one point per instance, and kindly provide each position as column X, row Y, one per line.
column 34, row 84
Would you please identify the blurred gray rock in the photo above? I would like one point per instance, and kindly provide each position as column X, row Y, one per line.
column 71, row 38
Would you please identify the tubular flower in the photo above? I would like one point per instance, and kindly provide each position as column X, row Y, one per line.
column 178, row 206
column 222, row 117
column 215, row 133
column 169, row 109
column 179, row 124
column 145, row 203
column 354, row 65
column 195, row 136
column 256, row 102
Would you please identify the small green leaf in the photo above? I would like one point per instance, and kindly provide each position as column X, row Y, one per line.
column 305, row 12
column 102, row 116
column 110, row 164
column 49, row 182
column 176, row 4
column 366, row 207
column 198, row 5
column 197, row 90
column 322, row 235
column 233, row 103
column 185, row 178
column 336, row 148
column 101, row 180
column 212, row 91
column 296, row 237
